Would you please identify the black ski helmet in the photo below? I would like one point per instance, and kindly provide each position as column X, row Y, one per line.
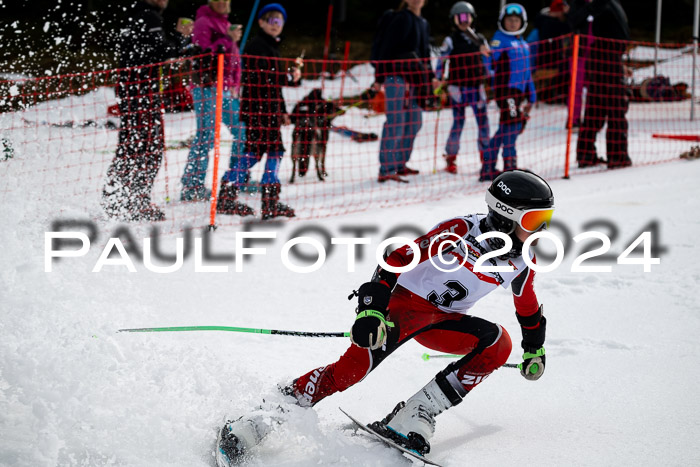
column 512, row 9
column 517, row 189
column 462, row 7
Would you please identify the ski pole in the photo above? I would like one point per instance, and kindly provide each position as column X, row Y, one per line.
column 437, row 93
column 235, row 329
column 248, row 26
column 427, row 357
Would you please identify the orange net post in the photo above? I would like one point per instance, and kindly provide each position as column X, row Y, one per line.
column 217, row 137
column 572, row 97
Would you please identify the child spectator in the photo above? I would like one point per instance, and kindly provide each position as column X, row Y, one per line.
column 264, row 112
column 212, row 32
column 512, row 85
column 466, row 73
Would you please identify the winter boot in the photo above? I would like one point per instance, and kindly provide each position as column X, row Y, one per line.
column 488, row 176
column 271, row 207
column 510, row 163
column 451, row 163
column 148, row 212
column 227, row 204
column 142, row 209
column 412, row 424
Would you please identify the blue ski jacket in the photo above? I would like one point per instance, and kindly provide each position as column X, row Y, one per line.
column 510, row 65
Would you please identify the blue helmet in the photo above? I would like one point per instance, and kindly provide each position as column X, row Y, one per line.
column 273, row 7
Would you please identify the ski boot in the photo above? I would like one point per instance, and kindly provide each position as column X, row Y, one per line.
column 412, row 424
column 412, row 440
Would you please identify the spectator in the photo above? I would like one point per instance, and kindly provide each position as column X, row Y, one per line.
column 585, row 32
column 127, row 191
column 264, row 112
column 404, row 37
column 465, row 81
column 548, row 44
column 512, row 85
column 212, row 32
column 607, row 99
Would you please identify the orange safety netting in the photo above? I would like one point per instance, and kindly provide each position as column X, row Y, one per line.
column 69, row 141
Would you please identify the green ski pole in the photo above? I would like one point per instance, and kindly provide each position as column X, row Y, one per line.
column 427, row 357
column 235, row 329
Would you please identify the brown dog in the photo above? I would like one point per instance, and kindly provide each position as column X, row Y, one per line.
column 312, row 121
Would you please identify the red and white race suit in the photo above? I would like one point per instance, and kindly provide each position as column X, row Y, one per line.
column 455, row 289
column 431, row 305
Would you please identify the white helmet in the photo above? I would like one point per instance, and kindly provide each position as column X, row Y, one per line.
column 512, row 9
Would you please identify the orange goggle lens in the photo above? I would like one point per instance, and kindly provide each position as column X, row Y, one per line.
column 533, row 220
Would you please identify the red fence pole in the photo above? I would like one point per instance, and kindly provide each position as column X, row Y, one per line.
column 217, row 137
column 344, row 68
column 572, row 96
column 326, row 45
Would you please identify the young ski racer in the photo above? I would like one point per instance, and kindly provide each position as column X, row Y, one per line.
column 430, row 303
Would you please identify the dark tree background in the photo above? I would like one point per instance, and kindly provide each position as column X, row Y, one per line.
column 41, row 37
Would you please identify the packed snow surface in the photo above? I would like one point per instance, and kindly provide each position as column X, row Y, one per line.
column 622, row 348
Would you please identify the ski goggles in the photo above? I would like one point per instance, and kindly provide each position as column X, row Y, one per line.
column 272, row 21
column 463, row 18
column 514, row 9
column 531, row 220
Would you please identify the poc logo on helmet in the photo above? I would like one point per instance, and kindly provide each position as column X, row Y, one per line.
column 504, row 188
column 504, row 208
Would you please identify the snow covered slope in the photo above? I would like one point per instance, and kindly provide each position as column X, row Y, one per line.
column 619, row 389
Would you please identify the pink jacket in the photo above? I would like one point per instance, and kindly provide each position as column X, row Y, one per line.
column 210, row 31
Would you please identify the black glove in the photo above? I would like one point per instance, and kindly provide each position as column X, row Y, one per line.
column 370, row 328
column 534, row 359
